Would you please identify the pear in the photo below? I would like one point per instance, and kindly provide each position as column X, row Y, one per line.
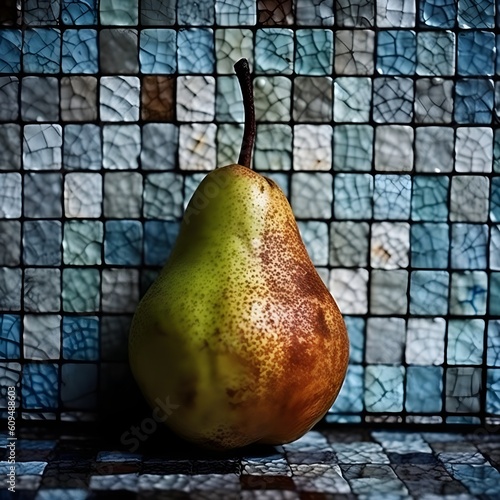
column 238, row 329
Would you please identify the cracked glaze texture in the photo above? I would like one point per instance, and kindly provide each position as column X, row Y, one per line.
column 378, row 120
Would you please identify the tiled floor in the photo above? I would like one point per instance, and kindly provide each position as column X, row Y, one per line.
column 326, row 464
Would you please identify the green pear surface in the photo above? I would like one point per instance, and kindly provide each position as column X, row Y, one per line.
column 239, row 329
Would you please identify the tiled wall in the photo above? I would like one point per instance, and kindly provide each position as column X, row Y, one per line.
column 378, row 119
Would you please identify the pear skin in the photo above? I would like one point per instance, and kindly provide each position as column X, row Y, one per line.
column 238, row 329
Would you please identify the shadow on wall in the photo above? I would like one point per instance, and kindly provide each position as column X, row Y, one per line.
column 120, row 399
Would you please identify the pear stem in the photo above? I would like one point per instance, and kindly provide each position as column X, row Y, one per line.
column 242, row 69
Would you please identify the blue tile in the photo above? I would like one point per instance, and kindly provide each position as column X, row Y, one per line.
column 229, row 13
column 469, row 246
column 314, row 13
column 497, row 53
column 42, row 243
column 438, row 13
column 281, row 179
column 429, row 293
column 495, row 200
column 62, row 494
column 430, row 198
column 393, row 100
column 468, row 293
column 228, row 97
column 494, row 303
column 493, row 391
column 38, row 13
column 10, row 50
column 80, row 337
column 163, row 196
column 463, row 390
column 352, row 100
column 10, row 336
column 424, row 388
column 429, row 245
column 195, row 50
column 315, row 238
column 476, row 13
column 39, row 444
column 368, row 482
column 494, row 251
column 119, row 102
column 158, row 51
column 42, row 290
column 350, row 398
column 40, row 386
column 436, row 53
column 123, row 242
column 314, row 52
column 384, row 390
column 41, row 50
column 81, row 289
column 160, row 143
column 493, row 343
column 456, row 419
column 274, row 51
column 124, row 13
column 436, row 64
column 121, row 145
column 474, row 100
column 118, row 456
column 79, row 51
column 392, row 197
column 82, row 147
column 465, row 341
column 496, row 151
column 25, row 468
column 196, row 13
column 352, row 147
column 353, row 196
column 476, row 53
column 356, row 330
column 79, row 12
column 396, row 52
column 479, row 479
column 159, row 239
